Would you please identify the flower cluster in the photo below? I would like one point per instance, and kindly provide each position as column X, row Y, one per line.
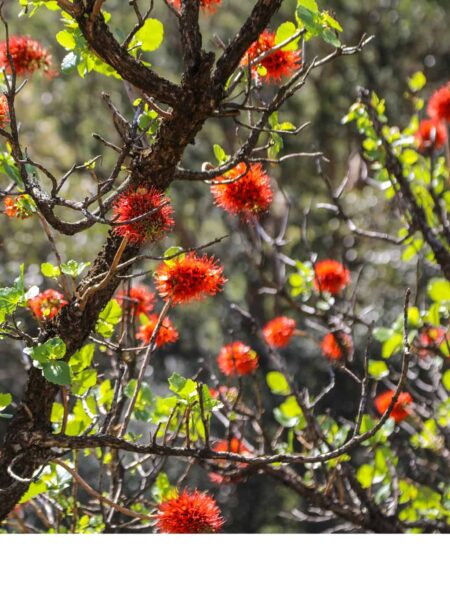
column 430, row 338
column 27, row 56
column 149, row 212
column 400, row 410
column 207, row 5
column 432, row 132
column 4, row 111
column 167, row 333
column 330, row 276
column 194, row 512
column 337, row 347
column 237, row 359
column 278, row 331
column 277, row 64
column 139, row 298
column 19, row 207
column 247, row 193
column 431, row 135
column 237, row 447
column 47, row 304
column 189, row 277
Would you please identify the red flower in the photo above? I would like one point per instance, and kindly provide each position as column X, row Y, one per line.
column 249, row 195
column 233, row 445
column 189, row 513
column 140, row 299
column 167, row 333
column 337, row 346
column 207, row 5
column 439, row 104
column 400, row 410
column 47, row 304
column 136, row 202
column 20, row 207
column 4, row 111
column 331, row 276
column 430, row 338
column 431, row 135
column 277, row 64
column 189, row 277
column 278, row 331
column 237, row 359
column 27, row 56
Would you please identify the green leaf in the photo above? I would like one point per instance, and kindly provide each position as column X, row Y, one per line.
column 417, row 81
column 277, row 383
column 52, row 349
column 74, row 268
column 378, row 369
column 284, row 32
column 446, row 379
column 382, row 334
column 66, row 39
column 108, row 319
column 144, row 400
column 365, row 475
column 414, row 316
column 162, row 490
column 220, row 154
column 393, row 345
column 439, row 290
column 69, row 62
column 35, row 488
column 173, row 251
column 82, row 358
column 309, row 4
column 49, row 270
column 289, row 413
column 150, row 36
column 5, row 400
column 57, row 371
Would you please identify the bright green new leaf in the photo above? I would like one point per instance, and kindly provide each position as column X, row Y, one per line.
column 284, row 32
column 150, row 36
column 277, row 383
column 378, row 369
column 5, row 400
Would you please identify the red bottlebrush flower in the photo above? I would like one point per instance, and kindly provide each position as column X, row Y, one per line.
column 400, row 410
column 439, row 104
column 278, row 331
column 431, row 135
column 233, row 445
column 27, row 56
column 189, row 277
column 237, row 359
column 47, row 304
column 331, row 276
column 167, row 333
column 20, row 207
column 136, row 202
column 277, row 64
column 4, row 111
column 249, row 195
column 140, row 299
column 206, row 5
column 195, row 512
column 336, row 347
